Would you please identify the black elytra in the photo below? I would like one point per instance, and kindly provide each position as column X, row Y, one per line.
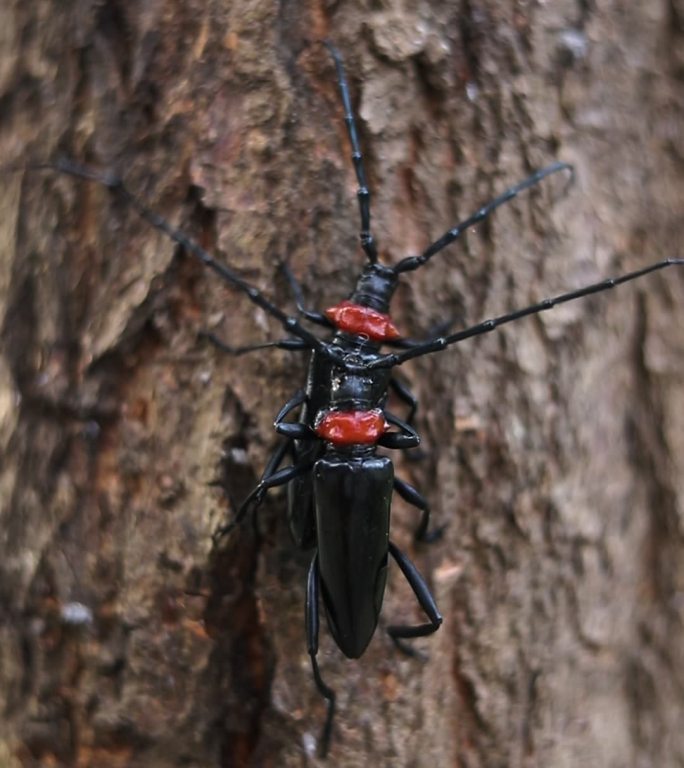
column 339, row 488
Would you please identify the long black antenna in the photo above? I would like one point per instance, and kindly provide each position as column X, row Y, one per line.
column 413, row 262
column 436, row 345
column 116, row 186
column 363, row 193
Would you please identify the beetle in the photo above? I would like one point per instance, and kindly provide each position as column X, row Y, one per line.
column 339, row 488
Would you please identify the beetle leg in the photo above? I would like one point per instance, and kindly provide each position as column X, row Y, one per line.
column 315, row 317
column 291, row 345
column 256, row 495
column 299, row 398
column 293, row 430
column 407, row 437
column 271, row 466
column 425, row 599
column 412, row 496
column 312, row 627
column 296, row 431
column 276, row 457
column 406, row 396
column 281, row 477
column 271, row 475
column 397, row 440
column 273, row 463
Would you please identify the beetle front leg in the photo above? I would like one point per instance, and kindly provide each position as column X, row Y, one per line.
column 425, row 599
column 290, row 345
column 312, row 627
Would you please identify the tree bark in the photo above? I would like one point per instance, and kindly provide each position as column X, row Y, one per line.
column 553, row 449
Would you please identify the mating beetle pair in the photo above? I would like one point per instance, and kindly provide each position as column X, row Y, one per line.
column 339, row 488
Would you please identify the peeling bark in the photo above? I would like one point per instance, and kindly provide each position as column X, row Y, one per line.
column 553, row 449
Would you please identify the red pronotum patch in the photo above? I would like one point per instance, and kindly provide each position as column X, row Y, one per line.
column 362, row 321
column 352, row 427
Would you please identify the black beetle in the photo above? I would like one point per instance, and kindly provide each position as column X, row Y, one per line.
column 339, row 489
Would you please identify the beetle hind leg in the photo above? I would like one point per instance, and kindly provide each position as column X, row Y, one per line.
column 413, row 497
column 312, row 627
column 427, row 602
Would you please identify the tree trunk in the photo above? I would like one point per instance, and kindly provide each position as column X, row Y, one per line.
column 553, row 449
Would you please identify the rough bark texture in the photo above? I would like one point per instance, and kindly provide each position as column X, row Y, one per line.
column 554, row 449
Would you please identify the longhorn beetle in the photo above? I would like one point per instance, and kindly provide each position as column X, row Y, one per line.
column 339, row 489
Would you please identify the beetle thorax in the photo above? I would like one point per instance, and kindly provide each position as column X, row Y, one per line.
column 364, row 314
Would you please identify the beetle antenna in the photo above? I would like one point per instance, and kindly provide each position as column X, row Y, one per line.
column 413, row 262
column 116, row 186
column 363, row 193
column 436, row 345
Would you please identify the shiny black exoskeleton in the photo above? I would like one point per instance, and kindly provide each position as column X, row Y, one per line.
column 339, row 489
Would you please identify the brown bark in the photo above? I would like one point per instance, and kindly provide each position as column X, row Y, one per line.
column 553, row 448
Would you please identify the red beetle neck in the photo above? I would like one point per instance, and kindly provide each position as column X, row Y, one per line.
column 362, row 321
